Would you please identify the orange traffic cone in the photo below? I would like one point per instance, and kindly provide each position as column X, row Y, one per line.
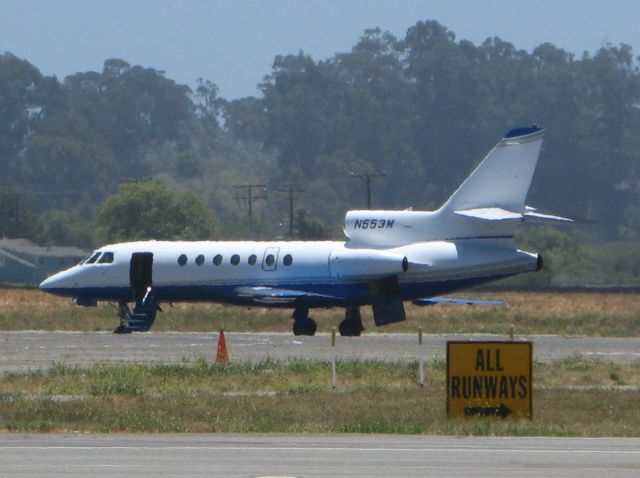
column 222, row 356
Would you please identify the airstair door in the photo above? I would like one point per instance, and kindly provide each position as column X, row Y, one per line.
column 141, row 273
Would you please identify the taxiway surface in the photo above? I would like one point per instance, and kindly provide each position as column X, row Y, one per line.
column 23, row 351
column 274, row 455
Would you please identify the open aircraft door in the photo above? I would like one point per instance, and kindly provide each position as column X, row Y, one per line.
column 141, row 274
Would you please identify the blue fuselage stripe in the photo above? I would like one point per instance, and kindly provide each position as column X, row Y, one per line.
column 340, row 294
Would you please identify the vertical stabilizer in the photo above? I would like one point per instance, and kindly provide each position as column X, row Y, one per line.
column 503, row 178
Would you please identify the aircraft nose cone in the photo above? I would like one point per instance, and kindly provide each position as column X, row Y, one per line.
column 57, row 283
column 49, row 283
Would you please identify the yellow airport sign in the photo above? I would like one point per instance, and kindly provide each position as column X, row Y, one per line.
column 489, row 379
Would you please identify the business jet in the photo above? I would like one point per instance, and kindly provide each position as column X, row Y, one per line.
column 389, row 256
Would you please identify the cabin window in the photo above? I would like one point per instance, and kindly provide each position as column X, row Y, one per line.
column 217, row 260
column 252, row 259
column 93, row 258
column 107, row 258
column 288, row 260
column 182, row 260
column 200, row 260
column 235, row 259
column 270, row 260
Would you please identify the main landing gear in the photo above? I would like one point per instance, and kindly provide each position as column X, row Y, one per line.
column 302, row 323
column 351, row 326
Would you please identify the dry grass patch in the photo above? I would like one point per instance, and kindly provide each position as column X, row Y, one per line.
column 610, row 315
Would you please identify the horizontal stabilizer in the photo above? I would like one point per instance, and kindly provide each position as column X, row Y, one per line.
column 450, row 300
column 491, row 214
column 532, row 214
column 499, row 214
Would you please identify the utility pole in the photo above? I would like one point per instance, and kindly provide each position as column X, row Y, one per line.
column 368, row 177
column 290, row 191
column 250, row 197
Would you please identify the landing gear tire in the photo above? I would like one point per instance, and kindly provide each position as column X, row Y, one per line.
column 351, row 326
column 303, row 324
column 305, row 327
column 122, row 329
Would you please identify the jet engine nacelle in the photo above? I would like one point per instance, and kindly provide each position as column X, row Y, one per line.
column 366, row 262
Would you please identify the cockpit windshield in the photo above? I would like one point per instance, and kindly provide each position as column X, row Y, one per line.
column 85, row 259
column 91, row 258
column 107, row 258
column 98, row 257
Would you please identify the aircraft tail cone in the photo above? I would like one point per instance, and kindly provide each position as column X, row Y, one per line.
column 222, row 356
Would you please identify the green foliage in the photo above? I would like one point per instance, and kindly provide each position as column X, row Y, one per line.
column 569, row 263
column 61, row 228
column 150, row 211
column 308, row 228
column 16, row 219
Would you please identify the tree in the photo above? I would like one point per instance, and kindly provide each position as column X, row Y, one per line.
column 142, row 211
column 62, row 228
column 16, row 219
column 308, row 228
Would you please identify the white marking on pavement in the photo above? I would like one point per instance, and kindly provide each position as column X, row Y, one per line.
column 464, row 449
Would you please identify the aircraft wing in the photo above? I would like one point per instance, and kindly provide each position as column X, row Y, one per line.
column 451, row 300
column 273, row 295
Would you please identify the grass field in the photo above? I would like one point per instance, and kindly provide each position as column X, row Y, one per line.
column 571, row 397
column 592, row 314
column 569, row 400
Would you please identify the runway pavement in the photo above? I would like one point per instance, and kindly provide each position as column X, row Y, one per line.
column 22, row 351
column 274, row 455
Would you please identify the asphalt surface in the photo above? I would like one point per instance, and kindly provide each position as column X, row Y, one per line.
column 23, row 351
column 274, row 455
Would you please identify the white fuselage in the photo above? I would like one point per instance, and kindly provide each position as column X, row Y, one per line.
column 329, row 273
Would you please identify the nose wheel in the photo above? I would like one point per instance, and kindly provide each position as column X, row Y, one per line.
column 302, row 323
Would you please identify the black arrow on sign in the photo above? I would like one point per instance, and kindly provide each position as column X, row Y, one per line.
column 502, row 411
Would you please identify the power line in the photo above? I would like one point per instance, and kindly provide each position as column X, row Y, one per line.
column 290, row 191
column 250, row 197
column 368, row 177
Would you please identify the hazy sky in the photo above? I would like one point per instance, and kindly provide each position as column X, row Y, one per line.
column 233, row 42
